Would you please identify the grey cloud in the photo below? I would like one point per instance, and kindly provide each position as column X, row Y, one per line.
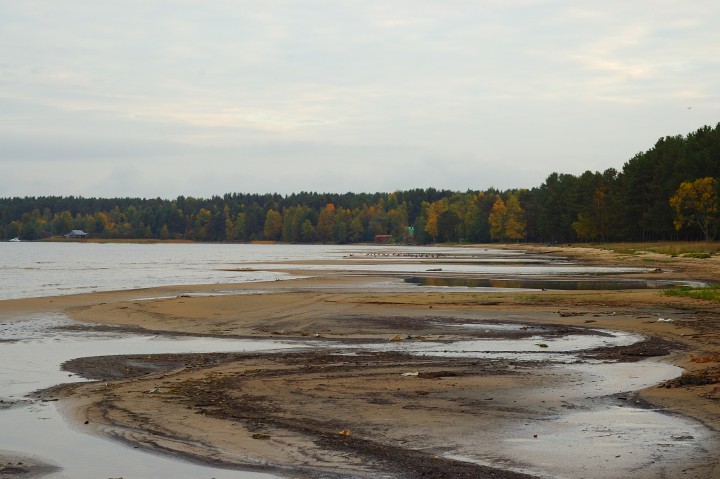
column 183, row 97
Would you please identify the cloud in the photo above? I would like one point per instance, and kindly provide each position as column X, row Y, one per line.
column 208, row 97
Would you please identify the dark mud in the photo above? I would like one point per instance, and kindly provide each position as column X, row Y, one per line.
column 234, row 396
column 23, row 467
column 649, row 348
column 218, row 396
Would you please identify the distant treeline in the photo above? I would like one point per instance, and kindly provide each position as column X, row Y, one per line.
column 631, row 205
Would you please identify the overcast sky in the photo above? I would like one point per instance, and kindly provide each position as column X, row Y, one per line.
column 199, row 98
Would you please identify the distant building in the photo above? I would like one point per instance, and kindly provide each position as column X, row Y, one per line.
column 76, row 234
column 383, row 238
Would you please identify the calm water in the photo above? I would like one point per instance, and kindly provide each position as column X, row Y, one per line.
column 50, row 269
column 525, row 283
column 37, row 346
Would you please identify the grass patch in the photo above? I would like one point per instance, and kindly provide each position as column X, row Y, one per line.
column 687, row 249
column 710, row 293
column 623, row 250
column 697, row 255
column 531, row 299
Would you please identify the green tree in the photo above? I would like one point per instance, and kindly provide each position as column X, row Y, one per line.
column 448, row 224
column 585, row 227
column 307, row 232
column 356, row 230
column 201, row 224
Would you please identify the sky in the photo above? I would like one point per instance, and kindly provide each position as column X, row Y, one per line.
column 161, row 98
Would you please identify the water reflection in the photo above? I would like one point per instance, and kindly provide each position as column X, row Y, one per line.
column 532, row 283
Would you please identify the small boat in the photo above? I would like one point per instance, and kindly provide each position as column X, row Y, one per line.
column 15, row 240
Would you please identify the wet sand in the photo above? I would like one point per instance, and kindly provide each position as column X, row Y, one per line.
column 12, row 465
column 323, row 414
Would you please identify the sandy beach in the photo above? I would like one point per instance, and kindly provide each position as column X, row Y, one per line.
column 325, row 413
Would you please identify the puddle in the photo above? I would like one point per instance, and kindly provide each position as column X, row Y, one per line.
column 641, row 442
column 41, row 429
column 537, row 347
column 31, row 356
column 500, row 327
column 37, row 347
column 590, row 436
column 561, row 284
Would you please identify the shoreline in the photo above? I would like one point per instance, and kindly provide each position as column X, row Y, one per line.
column 332, row 306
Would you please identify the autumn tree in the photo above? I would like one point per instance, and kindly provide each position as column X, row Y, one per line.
column 497, row 218
column 515, row 220
column 326, row 223
column 273, row 225
column 433, row 211
column 696, row 204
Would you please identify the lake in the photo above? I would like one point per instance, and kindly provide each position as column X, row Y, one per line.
column 37, row 269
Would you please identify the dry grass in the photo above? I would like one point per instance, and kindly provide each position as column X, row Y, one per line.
column 688, row 249
column 706, row 358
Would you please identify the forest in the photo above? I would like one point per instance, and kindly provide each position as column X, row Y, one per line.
column 669, row 192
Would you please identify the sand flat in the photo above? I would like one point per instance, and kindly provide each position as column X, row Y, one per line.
column 323, row 413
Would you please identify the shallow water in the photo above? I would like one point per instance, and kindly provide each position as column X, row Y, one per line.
column 40, row 430
column 31, row 361
column 533, row 348
column 525, row 283
column 32, row 348
column 593, row 438
column 36, row 346
column 50, row 269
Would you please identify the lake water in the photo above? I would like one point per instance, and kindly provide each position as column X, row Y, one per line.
column 32, row 347
column 29, row 269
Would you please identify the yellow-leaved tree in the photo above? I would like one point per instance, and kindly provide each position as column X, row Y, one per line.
column 507, row 220
column 696, row 203
column 497, row 219
column 273, row 225
column 326, row 223
column 515, row 222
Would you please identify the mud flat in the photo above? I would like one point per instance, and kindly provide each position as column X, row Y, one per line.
column 13, row 465
column 347, row 408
